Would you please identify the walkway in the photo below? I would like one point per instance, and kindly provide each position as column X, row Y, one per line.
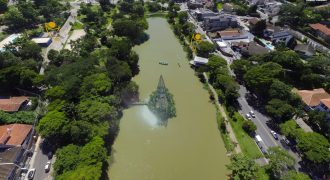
column 224, row 116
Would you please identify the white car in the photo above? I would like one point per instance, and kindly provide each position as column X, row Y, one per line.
column 248, row 116
column 252, row 114
column 274, row 134
column 47, row 166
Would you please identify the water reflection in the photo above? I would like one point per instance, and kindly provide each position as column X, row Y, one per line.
column 148, row 116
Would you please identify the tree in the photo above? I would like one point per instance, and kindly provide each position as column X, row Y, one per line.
column 249, row 127
column 259, row 78
column 315, row 147
column 67, row 159
column 83, row 172
column 56, row 92
column 14, row 19
column 279, row 90
column 242, row 167
column 204, row 48
column 290, row 129
column 93, row 152
column 183, row 17
column 279, row 110
column 292, row 174
column 259, row 27
column 3, row 5
column 240, row 67
column 96, row 84
column 216, row 62
column 51, row 125
column 94, row 111
column 280, row 161
column 127, row 27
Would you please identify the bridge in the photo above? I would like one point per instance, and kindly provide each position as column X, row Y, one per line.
column 140, row 103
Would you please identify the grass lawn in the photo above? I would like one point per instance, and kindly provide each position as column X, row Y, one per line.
column 219, row 6
column 248, row 146
column 77, row 25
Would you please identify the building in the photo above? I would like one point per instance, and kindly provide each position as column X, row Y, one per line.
column 278, row 34
column 43, row 42
column 14, row 140
column 322, row 31
column 198, row 61
column 272, row 8
column 250, row 49
column 221, row 22
column 202, row 13
column 14, row 104
column 193, row 4
column 224, row 48
column 8, row 40
column 304, row 50
column 316, row 99
column 233, row 34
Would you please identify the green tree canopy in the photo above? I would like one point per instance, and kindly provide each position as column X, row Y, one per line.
column 280, row 161
column 204, row 48
column 280, row 110
column 314, row 146
column 294, row 175
column 95, row 111
column 242, row 167
column 51, row 125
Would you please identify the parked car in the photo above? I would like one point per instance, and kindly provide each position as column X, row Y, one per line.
column 50, row 155
column 31, row 173
column 252, row 114
column 248, row 116
column 286, row 141
column 274, row 134
column 47, row 166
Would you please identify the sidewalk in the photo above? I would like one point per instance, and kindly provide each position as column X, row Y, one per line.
column 224, row 116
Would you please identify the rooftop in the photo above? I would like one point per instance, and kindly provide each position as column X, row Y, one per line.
column 12, row 104
column 323, row 28
column 326, row 102
column 304, row 48
column 14, row 134
column 313, row 97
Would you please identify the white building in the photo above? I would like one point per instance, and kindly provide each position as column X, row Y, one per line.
column 8, row 40
column 199, row 61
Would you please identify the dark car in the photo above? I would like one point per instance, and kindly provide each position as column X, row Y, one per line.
column 50, row 155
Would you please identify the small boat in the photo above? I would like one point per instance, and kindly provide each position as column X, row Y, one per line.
column 163, row 63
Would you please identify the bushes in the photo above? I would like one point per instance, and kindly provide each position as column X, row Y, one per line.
column 25, row 117
column 249, row 127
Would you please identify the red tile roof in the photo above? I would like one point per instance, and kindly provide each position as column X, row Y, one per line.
column 326, row 102
column 323, row 28
column 313, row 97
column 12, row 104
column 14, row 134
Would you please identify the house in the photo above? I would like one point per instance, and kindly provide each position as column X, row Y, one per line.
column 221, row 22
column 8, row 40
column 304, row 50
column 322, row 31
column 193, row 4
column 253, row 48
column 316, row 99
column 43, row 42
column 13, row 104
column 224, row 48
column 14, row 139
column 277, row 34
column 202, row 13
column 232, row 34
column 198, row 61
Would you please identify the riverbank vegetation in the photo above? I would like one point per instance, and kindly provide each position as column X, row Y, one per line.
column 89, row 87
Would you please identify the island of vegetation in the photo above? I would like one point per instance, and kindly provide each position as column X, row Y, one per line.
column 161, row 103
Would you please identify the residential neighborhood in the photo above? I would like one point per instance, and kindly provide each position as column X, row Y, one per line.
column 247, row 89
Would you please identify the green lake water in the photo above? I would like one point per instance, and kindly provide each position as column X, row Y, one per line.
column 190, row 146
